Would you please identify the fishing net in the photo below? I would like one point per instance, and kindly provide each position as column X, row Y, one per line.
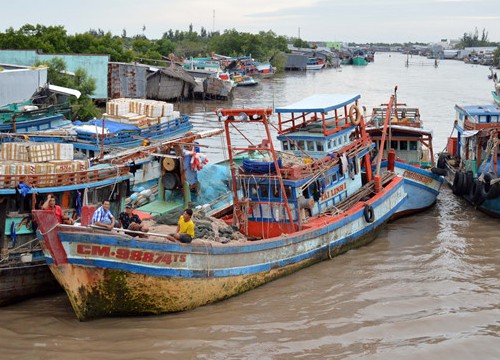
column 214, row 181
column 205, row 227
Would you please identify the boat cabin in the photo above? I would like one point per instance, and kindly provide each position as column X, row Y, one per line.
column 477, row 138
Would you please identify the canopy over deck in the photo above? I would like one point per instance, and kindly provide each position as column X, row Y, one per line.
column 475, row 110
column 321, row 103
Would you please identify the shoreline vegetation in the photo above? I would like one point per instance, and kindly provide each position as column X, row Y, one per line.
column 174, row 45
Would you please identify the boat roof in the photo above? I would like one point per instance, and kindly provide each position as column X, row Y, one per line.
column 475, row 110
column 321, row 103
column 407, row 129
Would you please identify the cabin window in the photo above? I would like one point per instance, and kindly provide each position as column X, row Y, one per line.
column 483, row 119
column 329, row 144
column 319, row 147
column 334, row 142
column 264, row 191
column 345, row 138
column 334, row 177
column 288, row 192
column 292, row 145
column 310, row 145
column 494, row 119
column 403, row 145
column 285, row 145
column 394, row 145
column 413, row 145
column 300, row 144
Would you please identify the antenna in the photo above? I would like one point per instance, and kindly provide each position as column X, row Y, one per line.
column 213, row 23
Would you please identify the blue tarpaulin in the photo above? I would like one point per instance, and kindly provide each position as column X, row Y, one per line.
column 112, row 126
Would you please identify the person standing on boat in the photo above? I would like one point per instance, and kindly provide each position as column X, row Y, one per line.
column 128, row 220
column 103, row 217
column 185, row 228
column 50, row 204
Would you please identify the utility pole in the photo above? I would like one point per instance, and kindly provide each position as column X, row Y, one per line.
column 299, row 32
column 213, row 23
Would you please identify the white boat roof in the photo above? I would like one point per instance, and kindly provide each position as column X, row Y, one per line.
column 321, row 103
column 65, row 90
column 408, row 129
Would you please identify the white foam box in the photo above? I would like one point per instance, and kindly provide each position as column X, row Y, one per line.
column 63, row 151
column 41, row 152
column 15, row 151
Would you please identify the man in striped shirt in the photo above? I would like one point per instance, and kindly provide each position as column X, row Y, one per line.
column 103, row 217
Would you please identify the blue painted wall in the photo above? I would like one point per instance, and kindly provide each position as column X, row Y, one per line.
column 95, row 65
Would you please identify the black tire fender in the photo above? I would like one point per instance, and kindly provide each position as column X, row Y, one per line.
column 489, row 191
column 441, row 163
column 457, row 183
column 369, row 213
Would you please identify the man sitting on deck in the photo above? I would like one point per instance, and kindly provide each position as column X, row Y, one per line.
column 103, row 217
column 128, row 220
column 185, row 228
column 50, row 204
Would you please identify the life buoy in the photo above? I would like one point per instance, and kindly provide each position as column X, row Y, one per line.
column 369, row 213
column 355, row 115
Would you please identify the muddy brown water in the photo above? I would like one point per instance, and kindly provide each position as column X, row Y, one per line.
column 427, row 287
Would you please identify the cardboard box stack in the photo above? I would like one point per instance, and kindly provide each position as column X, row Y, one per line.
column 38, row 158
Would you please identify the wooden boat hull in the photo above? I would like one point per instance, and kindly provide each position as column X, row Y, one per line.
column 421, row 185
column 26, row 280
column 359, row 61
column 112, row 274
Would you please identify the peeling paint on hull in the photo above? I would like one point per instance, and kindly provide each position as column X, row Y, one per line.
column 110, row 274
column 110, row 292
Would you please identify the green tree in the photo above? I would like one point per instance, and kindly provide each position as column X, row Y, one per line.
column 472, row 39
column 299, row 43
column 57, row 74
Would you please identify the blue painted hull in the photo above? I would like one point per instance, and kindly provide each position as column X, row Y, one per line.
column 111, row 274
column 421, row 185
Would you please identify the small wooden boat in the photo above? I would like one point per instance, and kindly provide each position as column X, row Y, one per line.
column 410, row 145
column 471, row 160
column 290, row 213
column 359, row 58
column 44, row 111
column 244, row 80
column 314, row 63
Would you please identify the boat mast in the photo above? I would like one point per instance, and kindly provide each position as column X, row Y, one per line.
column 233, row 117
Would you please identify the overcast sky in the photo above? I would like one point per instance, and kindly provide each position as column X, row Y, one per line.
column 323, row 20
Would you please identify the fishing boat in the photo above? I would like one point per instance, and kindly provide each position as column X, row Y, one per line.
column 289, row 213
column 78, row 188
column 28, row 173
column 471, row 160
column 409, row 144
column 244, row 80
column 359, row 58
column 127, row 123
column 314, row 63
column 47, row 109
